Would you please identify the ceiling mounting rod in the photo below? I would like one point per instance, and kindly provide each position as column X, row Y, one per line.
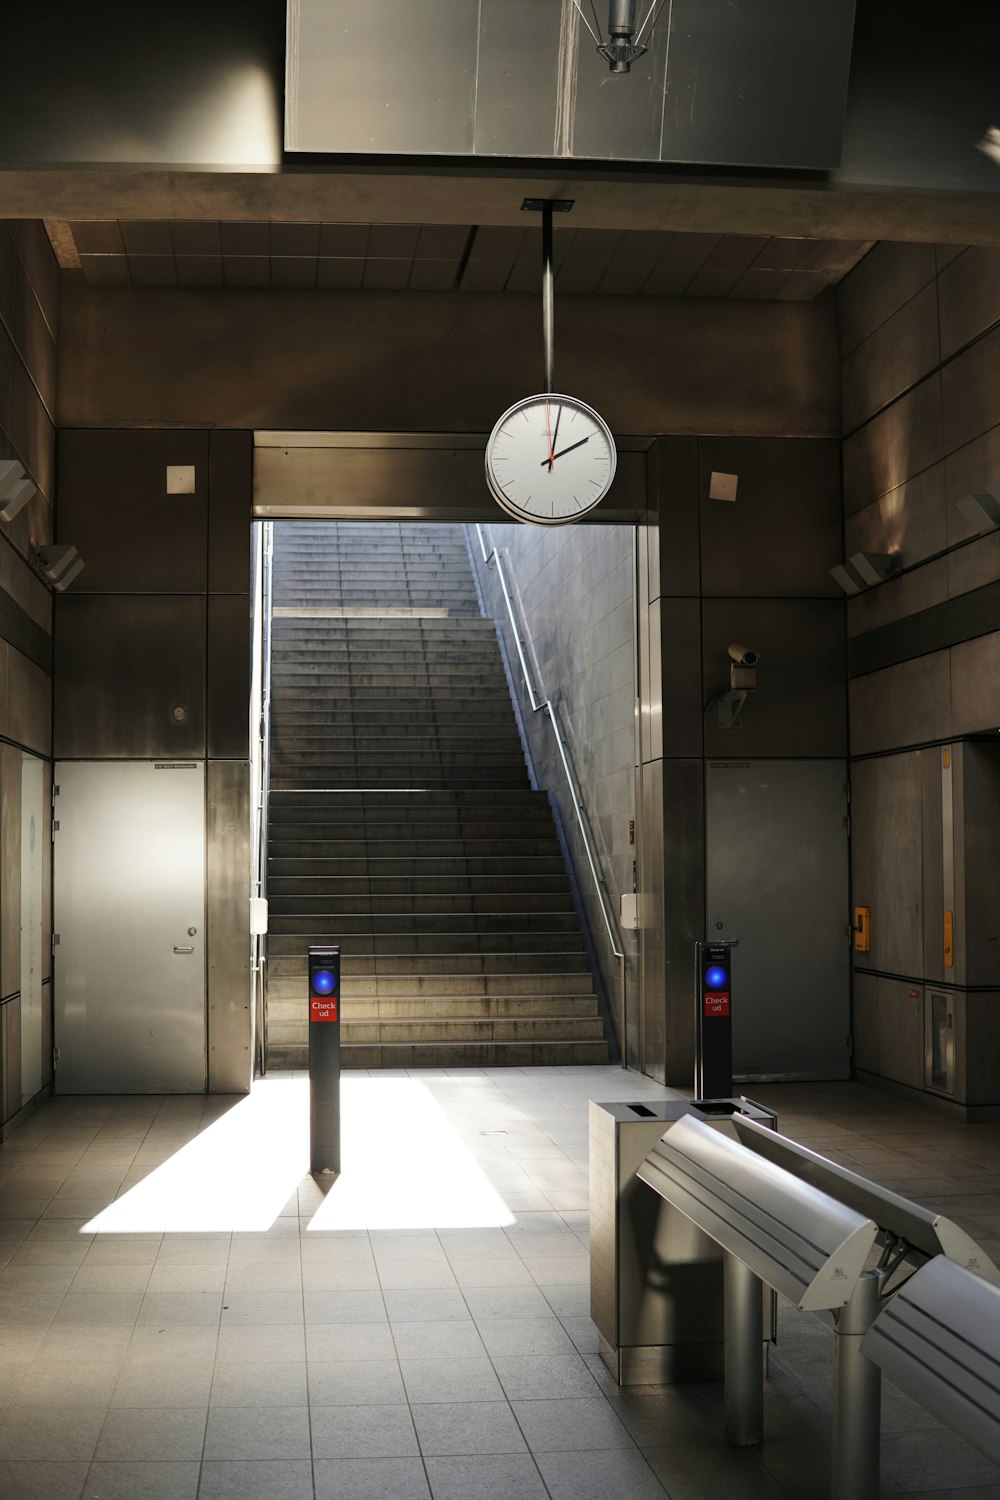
column 547, row 207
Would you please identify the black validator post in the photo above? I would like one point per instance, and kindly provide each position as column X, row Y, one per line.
column 713, row 1060
column 324, row 1059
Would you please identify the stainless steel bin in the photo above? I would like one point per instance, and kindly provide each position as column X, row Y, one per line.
column 655, row 1280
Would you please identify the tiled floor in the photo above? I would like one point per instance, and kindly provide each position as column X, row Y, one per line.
column 208, row 1337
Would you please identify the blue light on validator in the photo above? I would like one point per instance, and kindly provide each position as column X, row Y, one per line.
column 323, row 982
column 716, row 978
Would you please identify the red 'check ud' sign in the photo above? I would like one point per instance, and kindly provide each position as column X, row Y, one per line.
column 323, row 1010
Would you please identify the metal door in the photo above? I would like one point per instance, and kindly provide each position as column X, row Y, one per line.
column 34, row 830
column 130, row 918
column 777, row 884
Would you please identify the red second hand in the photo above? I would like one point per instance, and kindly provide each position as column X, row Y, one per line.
column 548, row 428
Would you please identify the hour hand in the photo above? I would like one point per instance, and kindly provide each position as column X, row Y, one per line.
column 562, row 451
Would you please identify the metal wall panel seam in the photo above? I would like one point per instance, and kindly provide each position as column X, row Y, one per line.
column 24, row 634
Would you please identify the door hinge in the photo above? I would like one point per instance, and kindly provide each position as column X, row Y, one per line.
column 55, row 940
column 850, row 1045
column 56, row 1055
column 55, row 826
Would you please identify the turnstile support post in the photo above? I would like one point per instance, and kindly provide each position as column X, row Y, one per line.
column 744, row 1355
column 857, row 1397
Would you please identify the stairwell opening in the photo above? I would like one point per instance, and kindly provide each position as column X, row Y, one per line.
column 402, row 820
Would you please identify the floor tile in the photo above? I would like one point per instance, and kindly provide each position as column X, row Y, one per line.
column 344, row 1307
column 262, row 1343
column 142, row 1481
column 41, row 1480
column 376, row 1382
column 371, row 1479
column 431, row 1340
column 261, row 1432
column 442, row 1380
column 466, row 1427
column 570, row 1425
column 49, row 1432
column 426, row 1306
column 252, row 1385
column 352, row 1432
column 534, row 1376
column 140, row 1434
column 500, row 1476
column 261, row 1479
column 524, row 1336
column 597, row 1475
column 261, row 1307
column 164, row 1383
column 349, row 1341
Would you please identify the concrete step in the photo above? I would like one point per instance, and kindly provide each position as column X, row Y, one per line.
column 412, row 905
column 477, row 1031
column 510, row 924
column 307, row 893
column 454, row 1055
column 500, row 943
column 506, row 994
column 362, row 866
column 513, row 972
column 340, row 855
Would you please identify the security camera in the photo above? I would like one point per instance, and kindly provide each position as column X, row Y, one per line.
column 744, row 656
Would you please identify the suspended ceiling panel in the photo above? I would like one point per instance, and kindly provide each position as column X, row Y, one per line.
column 452, row 257
column 725, row 82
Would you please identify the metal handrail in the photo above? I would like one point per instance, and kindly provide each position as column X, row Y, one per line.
column 264, row 604
column 539, row 703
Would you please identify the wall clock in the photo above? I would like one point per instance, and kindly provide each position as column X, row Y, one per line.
column 550, row 459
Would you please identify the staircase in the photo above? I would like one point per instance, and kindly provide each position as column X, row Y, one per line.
column 402, row 824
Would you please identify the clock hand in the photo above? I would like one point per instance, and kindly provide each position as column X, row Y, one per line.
column 555, row 438
column 548, row 432
column 565, row 450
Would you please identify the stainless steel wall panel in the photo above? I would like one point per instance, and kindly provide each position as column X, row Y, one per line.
column 904, row 705
column 893, row 446
column 969, row 294
column 25, row 588
column 977, row 1046
column 680, row 556
column 864, row 889
column 977, row 856
column 123, row 665
column 901, row 1032
column 349, row 92
column 10, row 1056
column 36, row 256
column 975, row 685
column 653, row 926
column 47, row 899
column 764, row 84
column 29, row 704
column 10, row 872
column 625, row 124
column 892, row 359
column 776, row 882
column 651, row 707
column 888, row 277
column 521, row 120
column 678, row 656
column 130, row 913
column 114, row 506
column 912, row 520
column 684, row 907
column 897, row 903
column 864, row 1023
column 934, row 855
column 230, row 1054
column 784, row 530
column 34, row 339
column 32, row 432
column 228, row 708
column 798, row 707
column 230, row 509
column 969, row 385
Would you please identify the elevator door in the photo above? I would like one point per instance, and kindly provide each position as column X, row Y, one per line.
column 777, row 884
column 130, row 917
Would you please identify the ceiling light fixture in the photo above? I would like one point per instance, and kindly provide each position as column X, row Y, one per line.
column 59, row 564
column 15, row 489
column 982, row 511
column 625, row 44
column 863, row 570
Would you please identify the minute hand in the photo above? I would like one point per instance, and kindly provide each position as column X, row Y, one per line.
column 565, row 450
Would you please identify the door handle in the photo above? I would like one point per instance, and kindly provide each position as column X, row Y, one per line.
column 184, row 950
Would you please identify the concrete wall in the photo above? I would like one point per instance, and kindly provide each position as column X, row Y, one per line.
column 433, row 362
column 920, row 347
column 152, row 658
column 29, row 306
column 574, row 597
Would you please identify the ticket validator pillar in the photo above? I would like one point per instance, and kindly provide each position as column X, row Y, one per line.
column 324, row 1059
column 713, row 1057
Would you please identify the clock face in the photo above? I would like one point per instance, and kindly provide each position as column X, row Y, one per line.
column 550, row 460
